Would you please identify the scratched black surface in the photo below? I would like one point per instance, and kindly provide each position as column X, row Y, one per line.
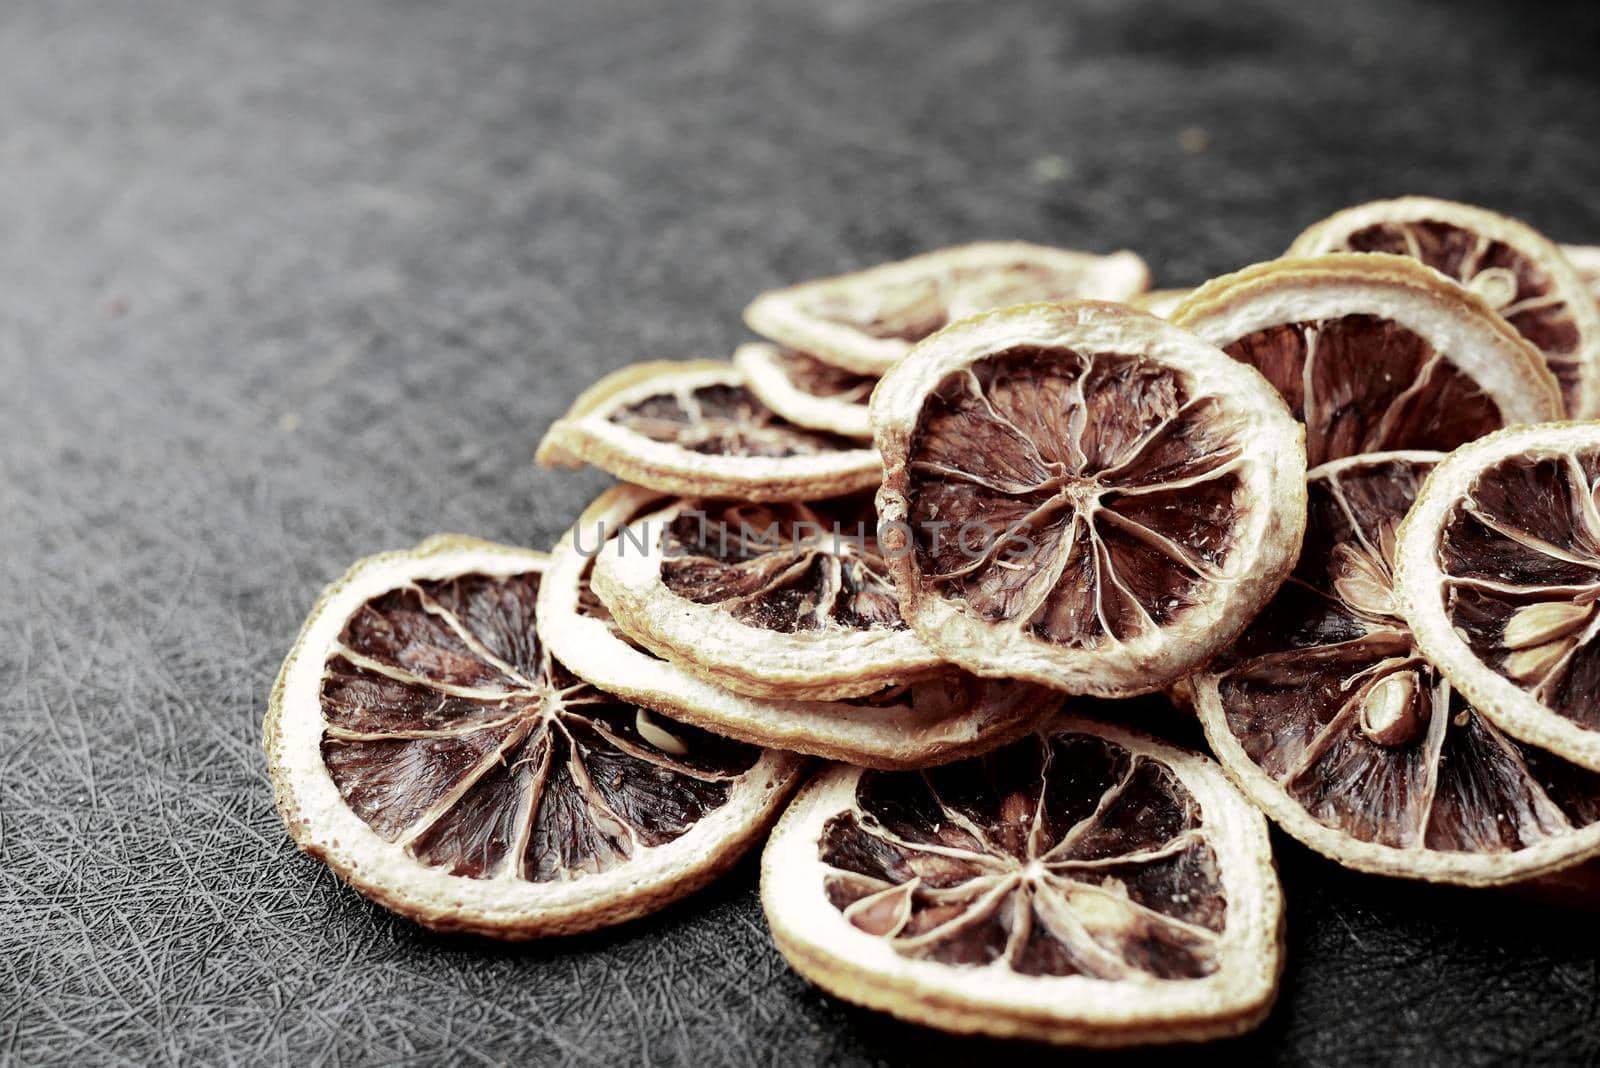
column 285, row 283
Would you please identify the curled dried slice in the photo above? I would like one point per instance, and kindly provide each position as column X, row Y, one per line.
column 424, row 744
column 867, row 320
column 788, row 601
column 1085, row 885
column 806, row 391
column 696, row 428
column 915, row 725
column 1160, row 302
column 1336, row 725
column 1515, row 269
column 1375, row 353
column 1499, row 577
column 1084, row 496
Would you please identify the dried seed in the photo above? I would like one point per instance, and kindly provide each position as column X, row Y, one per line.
column 1537, row 624
column 1533, row 664
column 1390, row 712
column 1361, row 582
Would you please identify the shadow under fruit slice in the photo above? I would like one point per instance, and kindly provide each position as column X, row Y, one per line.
column 1085, row 885
column 1333, row 721
column 789, row 601
column 1375, row 353
column 867, row 320
column 696, row 428
column 914, row 725
column 1517, row 271
column 1499, row 576
column 425, row 745
column 1084, row 496
column 806, row 391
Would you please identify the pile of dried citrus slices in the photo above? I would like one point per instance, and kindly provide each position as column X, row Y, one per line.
column 1341, row 506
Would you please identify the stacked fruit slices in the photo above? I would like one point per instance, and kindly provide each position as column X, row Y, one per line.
column 944, row 496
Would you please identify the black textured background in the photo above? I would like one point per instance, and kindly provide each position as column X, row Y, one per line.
column 284, row 282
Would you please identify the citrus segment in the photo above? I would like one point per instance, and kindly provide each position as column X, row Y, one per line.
column 695, row 427
column 1374, row 353
column 1500, row 576
column 783, row 601
column 1083, row 885
column 1514, row 268
column 1329, row 716
column 1084, row 496
column 423, row 742
column 911, row 725
column 806, row 391
column 867, row 320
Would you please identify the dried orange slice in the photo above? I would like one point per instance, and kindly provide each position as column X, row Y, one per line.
column 1160, row 302
column 788, row 601
column 695, row 427
column 806, row 391
column 1499, row 575
column 905, row 726
column 867, row 320
column 1513, row 267
column 1585, row 259
column 1084, row 496
column 1085, row 885
column 1375, row 353
column 424, row 744
column 1334, row 723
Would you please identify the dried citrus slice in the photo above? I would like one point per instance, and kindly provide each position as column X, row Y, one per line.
column 695, row 427
column 1514, row 268
column 1585, row 259
column 1084, row 496
column 789, row 601
column 1374, row 353
column 1085, row 885
column 915, row 725
column 867, row 320
column 1160, row 302
column 1499, row 576
column 806, row 391
column 424, row 744
column 1334, row 723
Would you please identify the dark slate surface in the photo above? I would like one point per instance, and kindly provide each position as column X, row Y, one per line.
column 285, row 283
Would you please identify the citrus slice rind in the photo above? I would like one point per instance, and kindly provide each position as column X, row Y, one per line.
column 912, row 726
column 1519, row 272
column 806, row 391
column 696, row 428
column 1375, row 353
column 423, row 744
column 1085, row 885
column 1499, row 574
column 1330, row 719
column 1160, row 302
column 787, row 601
column 867, row 320
column 1159, row 488
column 1585, row 259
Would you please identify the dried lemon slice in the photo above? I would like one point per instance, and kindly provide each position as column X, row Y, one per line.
column 1514, row 268
column 806, row 391
column 1085, row 885
column 1374, row 353
column 1084, row 496
column 1160, row 302
column 786, row 601
column 695, row 427
column 1499, row 574
column 423, row 743
column 1334, row 723
column 867, row 320
column 911, row 726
